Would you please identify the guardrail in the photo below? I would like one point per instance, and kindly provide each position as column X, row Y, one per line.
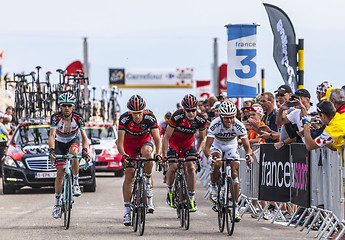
column 317, row 178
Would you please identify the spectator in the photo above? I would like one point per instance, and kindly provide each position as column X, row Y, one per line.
column 337, row 97
column 9, row 112
column 270, row 132
column 3, row 130
column 163, row 124
column 201, row 106
column 301, row 99
column 322, row 89
column 215, row 109
column 332, row 136
column 282, row 94
column 245, row 111
column 222, row 97
column 178, row 106
column 254, row 122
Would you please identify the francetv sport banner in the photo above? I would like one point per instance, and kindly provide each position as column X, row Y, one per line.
column 242, row 68
column 151, row 78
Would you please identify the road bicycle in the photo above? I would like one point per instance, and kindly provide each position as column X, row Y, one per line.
column 225, row 205
column 67, row 193
column 138, row 197
column 180, row 192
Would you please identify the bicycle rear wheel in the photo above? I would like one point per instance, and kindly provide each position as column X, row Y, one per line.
column 68, row 201
column 220, row 205
column 230, row 207
column 142, row 207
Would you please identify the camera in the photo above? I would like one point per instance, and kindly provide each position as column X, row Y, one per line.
column 291, row 104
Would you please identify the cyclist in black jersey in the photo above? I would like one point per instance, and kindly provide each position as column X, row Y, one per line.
column 63, row 139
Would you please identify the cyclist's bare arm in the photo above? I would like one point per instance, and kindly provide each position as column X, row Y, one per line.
column 246, row 146
column 84, row 138
column 120, row 139
column 51, row 141
column 157, row 139
column 208, row 144
column 168, row 133
column 201, row 141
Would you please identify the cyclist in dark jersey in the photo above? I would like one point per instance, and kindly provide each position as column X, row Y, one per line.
column 63, row 139
column 179, row 137
column 136, row 129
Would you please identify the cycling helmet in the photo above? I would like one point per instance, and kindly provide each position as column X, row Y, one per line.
column 167, row 116
column 189, row 101
column 227, row 109
column 136, row 103
column 67, row 98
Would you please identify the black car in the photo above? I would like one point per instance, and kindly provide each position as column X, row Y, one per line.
column 27, row 161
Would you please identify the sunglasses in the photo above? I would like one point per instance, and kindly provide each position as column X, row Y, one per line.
column 280, row 94
column 67, row 105
column 228, row 117
column 136, row 112
column 190, row 110
column 263, row 100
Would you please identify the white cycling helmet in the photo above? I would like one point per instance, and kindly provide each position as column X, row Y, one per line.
column 227, row 109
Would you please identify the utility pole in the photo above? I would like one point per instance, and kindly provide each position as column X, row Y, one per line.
column 215, row 68
column 86, row 71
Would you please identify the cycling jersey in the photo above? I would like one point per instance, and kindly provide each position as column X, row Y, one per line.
column 64, row 134
column 184, row 129
column 137, row 134
column 225, row 139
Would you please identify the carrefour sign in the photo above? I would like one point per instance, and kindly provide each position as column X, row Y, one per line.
column 151, row 78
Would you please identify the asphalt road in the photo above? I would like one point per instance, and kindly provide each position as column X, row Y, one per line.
column 27, row 215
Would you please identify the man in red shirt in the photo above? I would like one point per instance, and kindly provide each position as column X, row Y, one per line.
column 179, row 137
column 136, row 129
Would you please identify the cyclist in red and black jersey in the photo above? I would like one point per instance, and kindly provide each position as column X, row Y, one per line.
column 179, row 136
column 136, row 129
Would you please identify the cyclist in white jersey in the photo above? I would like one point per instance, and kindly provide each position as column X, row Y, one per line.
column 221, row 142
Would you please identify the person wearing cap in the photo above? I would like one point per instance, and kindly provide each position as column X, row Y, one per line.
column 337, row 97
column 270, row 133
column 303, row 107
column 215, row 109
column 178, row 106
column 332, row 136
column 322, row 89
column 282, row 94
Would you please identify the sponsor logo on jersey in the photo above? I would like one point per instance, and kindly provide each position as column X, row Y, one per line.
column 217, row 124
column 239, row 127
column 124, row 120
column 177, row 117
column 150, row 118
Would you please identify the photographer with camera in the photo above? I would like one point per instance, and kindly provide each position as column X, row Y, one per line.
column 301, row 102
column 332, row 136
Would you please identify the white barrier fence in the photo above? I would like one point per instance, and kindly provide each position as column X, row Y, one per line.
column 326, row 212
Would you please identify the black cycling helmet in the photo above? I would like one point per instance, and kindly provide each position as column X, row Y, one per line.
column 136, row 103
column 189, row 101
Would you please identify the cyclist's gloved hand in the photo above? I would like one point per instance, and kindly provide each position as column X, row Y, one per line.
column 211, row 159
column 85, row 155
column 249, row 159
column 159, row 158
column 124, row 158
column 52, row 155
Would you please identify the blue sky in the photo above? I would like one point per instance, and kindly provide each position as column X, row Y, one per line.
column 164, row 34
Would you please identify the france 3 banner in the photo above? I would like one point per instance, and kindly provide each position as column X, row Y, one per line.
column 284, row 46
column 242, row 68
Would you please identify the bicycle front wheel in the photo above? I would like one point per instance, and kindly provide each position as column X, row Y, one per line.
column 135, row 207
column 186, row 203
column 142, row 207
column 220, row 204
column 67, row 201
column 230, row 207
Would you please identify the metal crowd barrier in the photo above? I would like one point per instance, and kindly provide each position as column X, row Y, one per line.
column 326, row 214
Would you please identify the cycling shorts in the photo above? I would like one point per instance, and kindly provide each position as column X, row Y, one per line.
column 176, row 151
column 63, row 149
column 132, row 149
column 225, row 150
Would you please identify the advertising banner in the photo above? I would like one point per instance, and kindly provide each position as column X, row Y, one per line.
column 203, row 89
column 284, row 46
column 274, row 174
column 151, row 78
column 300, row 189
column 242, row 68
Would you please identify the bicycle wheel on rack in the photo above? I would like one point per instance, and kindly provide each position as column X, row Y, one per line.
column 68, row 201
column 135, row 207
column 230, row 207
column 142, row 207
column 220, row 204
column 186, row 204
